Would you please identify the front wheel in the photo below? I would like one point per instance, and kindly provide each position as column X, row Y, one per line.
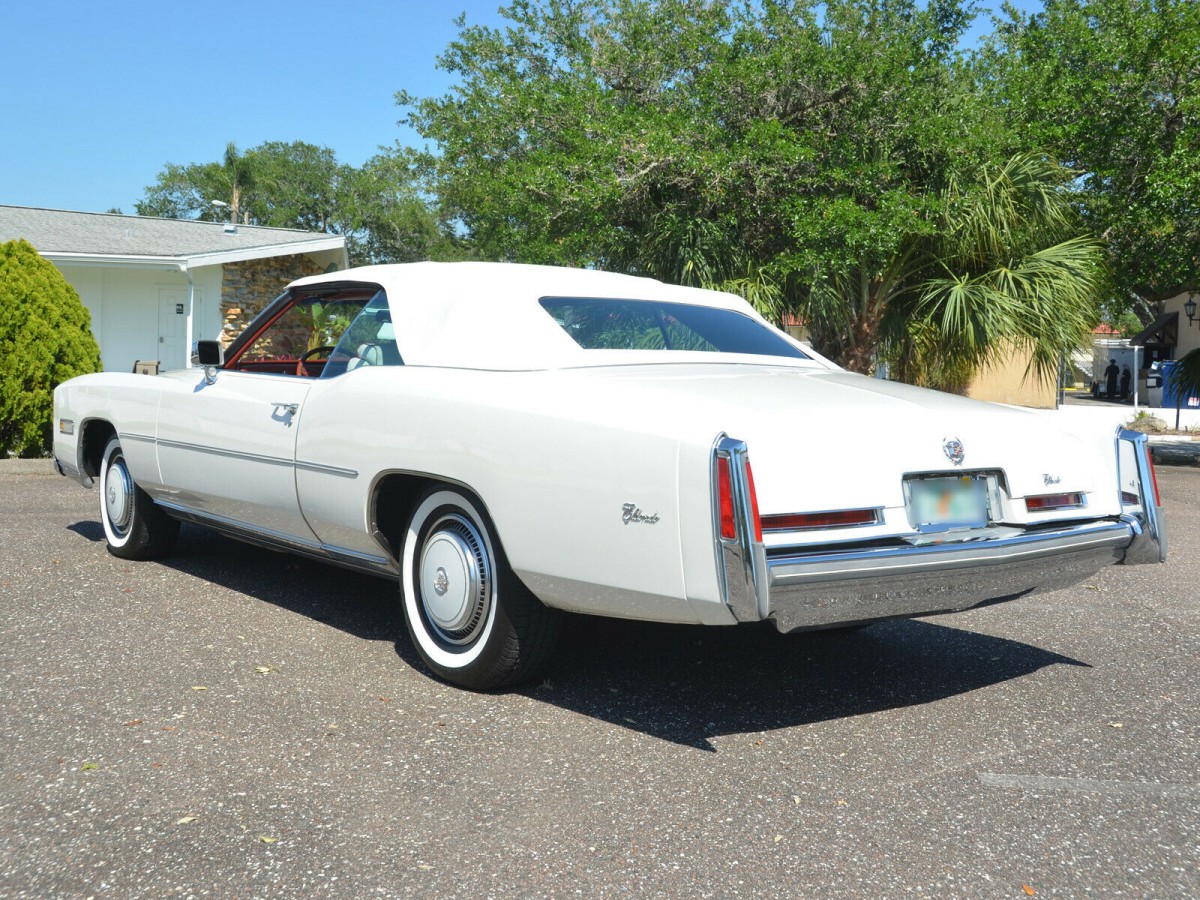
column 134, row 526
column 470, row 618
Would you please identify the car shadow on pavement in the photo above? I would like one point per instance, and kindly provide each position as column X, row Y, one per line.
column 93, row 531
column 357, row 604
column 680, row 683
column 688, row 684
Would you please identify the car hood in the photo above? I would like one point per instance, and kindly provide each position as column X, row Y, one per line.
column 821, row 439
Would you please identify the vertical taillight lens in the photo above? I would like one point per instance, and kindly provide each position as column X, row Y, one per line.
column 1153, row 477
column 734, row 509
column 753, row 502
column 725, row 498
column 741, row 557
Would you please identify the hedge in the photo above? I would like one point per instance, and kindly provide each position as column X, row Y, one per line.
column 45, row 338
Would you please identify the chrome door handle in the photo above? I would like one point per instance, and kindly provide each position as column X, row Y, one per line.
column 287, row 409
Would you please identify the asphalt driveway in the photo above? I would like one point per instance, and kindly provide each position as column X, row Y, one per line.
column 239, row 723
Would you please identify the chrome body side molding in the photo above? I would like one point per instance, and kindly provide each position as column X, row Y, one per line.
column 229, row 454
column 382, row 566
column 253, row 457
column 326, row 470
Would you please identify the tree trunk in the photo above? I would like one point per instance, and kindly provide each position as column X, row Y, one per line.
column 859, row 352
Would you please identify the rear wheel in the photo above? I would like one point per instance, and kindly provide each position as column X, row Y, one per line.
column 134, row 527
column 471, row 620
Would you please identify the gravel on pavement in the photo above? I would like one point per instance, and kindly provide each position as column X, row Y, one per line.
column 234, row 722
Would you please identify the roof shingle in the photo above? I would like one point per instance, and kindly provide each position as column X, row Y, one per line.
column 56, row 231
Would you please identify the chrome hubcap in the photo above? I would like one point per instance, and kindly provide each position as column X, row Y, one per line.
column 455, row 579
column 118, row 496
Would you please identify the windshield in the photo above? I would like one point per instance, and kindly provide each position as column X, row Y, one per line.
column 603, row 324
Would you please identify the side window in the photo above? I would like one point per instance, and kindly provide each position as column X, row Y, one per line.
column 370, row 340
column 300, row 340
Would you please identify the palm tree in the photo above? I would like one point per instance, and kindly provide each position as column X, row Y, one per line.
column 1003, row 264
column 1186, row 377
column 1007, row 269
column 238, row 174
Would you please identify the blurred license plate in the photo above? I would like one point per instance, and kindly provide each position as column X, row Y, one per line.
column 948, row 502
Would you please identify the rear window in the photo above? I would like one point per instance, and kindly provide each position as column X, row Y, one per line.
column 602, row 324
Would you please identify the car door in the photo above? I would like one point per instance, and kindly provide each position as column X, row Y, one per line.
column 227, row 449
column 227, row 439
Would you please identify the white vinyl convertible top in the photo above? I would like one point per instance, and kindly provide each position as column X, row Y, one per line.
column 481, row 315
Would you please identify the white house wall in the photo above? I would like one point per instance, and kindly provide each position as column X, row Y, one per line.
column 127, row 309
column 329, row 260
column 206, row 319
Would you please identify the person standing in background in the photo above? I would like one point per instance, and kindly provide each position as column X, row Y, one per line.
column 1110, row 378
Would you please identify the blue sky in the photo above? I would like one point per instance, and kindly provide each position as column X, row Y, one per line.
column 97, row 97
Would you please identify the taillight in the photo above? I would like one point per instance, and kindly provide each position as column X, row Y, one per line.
column 736, row 497
column 840, row 518
column 1048, row 502
column 1154, row 478
column 741, row 558
column 753, row 503
column 725, row 497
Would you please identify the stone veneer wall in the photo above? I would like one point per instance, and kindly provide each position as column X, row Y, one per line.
column 247, row 287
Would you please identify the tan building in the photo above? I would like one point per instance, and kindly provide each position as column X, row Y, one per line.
column 1009, row 380
column 1004, row 381
column 1173, row 334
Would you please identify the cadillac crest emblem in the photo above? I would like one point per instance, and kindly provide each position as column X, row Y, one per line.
column 954, row 450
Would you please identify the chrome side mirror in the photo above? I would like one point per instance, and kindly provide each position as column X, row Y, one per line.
column 209, row 354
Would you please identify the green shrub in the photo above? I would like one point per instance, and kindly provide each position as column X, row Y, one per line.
column 45, row 338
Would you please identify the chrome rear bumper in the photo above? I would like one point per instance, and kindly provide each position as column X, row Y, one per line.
column 820, row 590
column 825, row 587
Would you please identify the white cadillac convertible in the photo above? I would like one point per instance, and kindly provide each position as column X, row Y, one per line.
column 507, row 442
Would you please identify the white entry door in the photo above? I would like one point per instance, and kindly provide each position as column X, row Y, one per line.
column 172, row 329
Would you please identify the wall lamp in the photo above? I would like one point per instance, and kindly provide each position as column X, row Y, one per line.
column 1190, row 309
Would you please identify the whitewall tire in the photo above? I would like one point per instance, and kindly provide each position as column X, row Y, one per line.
column 134, row 527
column 471, row 620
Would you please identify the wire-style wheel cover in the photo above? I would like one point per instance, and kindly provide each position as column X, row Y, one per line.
column 118, row 495
column 455, row 579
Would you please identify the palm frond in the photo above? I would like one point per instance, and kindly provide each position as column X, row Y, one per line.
column 758, row 288
column 1185, row 376
column 1045, row 301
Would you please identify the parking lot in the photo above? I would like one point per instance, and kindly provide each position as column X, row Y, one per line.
column 239, row 723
